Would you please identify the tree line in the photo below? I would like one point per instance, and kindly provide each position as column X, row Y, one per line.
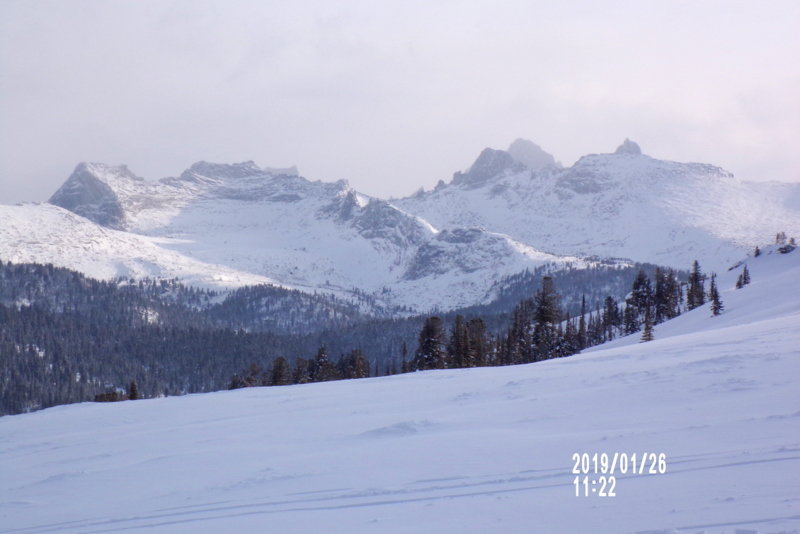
column 540, row 330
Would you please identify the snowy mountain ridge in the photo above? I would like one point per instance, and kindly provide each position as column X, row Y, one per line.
column 233, row 224
column 625, row 204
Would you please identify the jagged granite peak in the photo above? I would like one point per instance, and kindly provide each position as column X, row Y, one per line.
column 244, row 169
column 629, row 147
column 345, row 204
column 490, row 164
column 88, row 193
column 530, row 154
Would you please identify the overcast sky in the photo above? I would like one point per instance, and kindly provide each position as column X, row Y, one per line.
column 391, row 95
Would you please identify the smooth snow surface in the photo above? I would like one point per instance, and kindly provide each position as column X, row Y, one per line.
column 453, row 451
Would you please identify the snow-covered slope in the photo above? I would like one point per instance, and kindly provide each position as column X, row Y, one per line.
column 624, row 204
column 452, row 451
column 43, row 233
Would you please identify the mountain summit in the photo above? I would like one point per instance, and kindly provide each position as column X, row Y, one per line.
column 530, row 154
column 628, row 147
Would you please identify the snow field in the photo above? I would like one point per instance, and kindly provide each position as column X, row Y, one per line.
column 452, row 451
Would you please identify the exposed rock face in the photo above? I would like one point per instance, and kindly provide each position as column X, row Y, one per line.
column 530, row 154
column 628, row 147
column 489, row 164
column 88, row 195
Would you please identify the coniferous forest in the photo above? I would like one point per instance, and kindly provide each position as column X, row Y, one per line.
column 68, row 338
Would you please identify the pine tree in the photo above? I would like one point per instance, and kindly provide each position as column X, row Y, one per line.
column 301, row 371
column 582, row 325
column 547, row 317
column 354, row 365
column 642, row 292
column 458, row 346
column 611, row 318
column 477, row 344
column 695, row 295
column 322, row 369
column 281, row 373
column 133, row 391
column 647, row 333
column 713, row 296
column 630, row 319
column 666, row 295
column 743, row 279
column 431, row 352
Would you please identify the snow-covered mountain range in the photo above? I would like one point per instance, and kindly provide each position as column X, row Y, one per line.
column 235, row 224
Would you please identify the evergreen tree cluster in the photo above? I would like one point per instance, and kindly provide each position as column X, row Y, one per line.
column 743, row 279
column 318, row 369
column 49, row 358
column 67, row 338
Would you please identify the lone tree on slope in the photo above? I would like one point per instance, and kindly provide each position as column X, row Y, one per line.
column 713, row 296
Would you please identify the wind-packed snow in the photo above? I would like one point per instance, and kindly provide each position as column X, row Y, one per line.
column 452, row 451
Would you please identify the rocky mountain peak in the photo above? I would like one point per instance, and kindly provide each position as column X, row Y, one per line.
column 628, row 147
column 87, row 192
column 530, row 154
column 490, row 163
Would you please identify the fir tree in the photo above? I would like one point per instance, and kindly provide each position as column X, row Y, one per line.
column 666, row 295
column 354, row 365
column 281, row 373
column 301, row 371
column 547, row 317
column 582, row 325
column 458, row 347
column 611, row 318
column 322, row 369
column 713, row 296
column 133, row 391
column 743, row 279
column 647, row 333
column 431, row 352
column 642, row 293
column 477, row 345
column 695, row 295
column 630, row 319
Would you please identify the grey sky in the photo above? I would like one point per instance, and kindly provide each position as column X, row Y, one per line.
column 391, row 95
